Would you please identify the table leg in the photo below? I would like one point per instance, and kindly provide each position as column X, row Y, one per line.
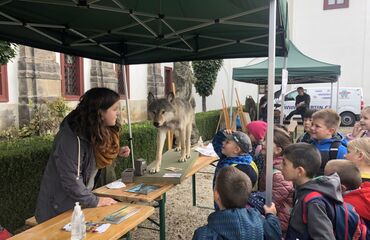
column 162, row 217
column 194, row 187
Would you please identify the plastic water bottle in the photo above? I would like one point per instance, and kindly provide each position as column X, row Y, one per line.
column 200, row 142
column 78, row 231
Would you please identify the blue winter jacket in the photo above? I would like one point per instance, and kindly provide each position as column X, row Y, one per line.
column 324, row 147
column 239, row 224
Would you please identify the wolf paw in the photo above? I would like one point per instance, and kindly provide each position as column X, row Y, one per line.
column 153, row 170
column 188, row 156
column 177, row 149
column 182, row 159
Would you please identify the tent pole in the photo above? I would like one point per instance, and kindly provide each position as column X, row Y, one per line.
column 258, row 103
column 231, row 104
column 283, row 90
column 331, row 94
column 128, row 113
column 270, row 107
column 337, row 100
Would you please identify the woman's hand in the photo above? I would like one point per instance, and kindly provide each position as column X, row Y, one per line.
column 106, row 201
column 124, row 151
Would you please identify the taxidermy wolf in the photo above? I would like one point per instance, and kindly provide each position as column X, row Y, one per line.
column 171, row 113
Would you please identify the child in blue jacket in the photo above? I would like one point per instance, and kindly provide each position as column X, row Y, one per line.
column 234, row 221
column 233, row 149
column 332, row 145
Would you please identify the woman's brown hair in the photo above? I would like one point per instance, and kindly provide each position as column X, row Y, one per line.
column 86, row 120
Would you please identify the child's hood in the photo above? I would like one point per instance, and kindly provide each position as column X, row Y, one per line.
column 360, row 199
column 238, row 223
column 337, row 137
column 329, row 186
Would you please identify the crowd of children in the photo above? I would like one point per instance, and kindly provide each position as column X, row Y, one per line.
column 321, row 183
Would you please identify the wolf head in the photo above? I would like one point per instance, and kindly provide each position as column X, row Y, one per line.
column 161, row 111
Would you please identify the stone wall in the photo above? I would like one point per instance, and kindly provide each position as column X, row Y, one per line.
column 155, row 80
column 38, row 77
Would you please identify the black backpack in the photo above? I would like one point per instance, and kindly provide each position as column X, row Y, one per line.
column 331, row 154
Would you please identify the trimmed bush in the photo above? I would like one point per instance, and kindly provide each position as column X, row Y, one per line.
column 23, row 161
column 207, row 123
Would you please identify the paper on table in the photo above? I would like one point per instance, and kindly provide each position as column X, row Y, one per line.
column 207, row 150
column 116, row 184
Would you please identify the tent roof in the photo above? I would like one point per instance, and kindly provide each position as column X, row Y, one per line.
column 142, row 31
column 301, row 69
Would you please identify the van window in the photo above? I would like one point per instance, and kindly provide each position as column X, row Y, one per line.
column 291, row 96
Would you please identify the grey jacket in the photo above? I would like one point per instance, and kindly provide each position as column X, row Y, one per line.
column 60, row 188
column 319, row 226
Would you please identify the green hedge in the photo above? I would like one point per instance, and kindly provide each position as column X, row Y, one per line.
column 22, row 163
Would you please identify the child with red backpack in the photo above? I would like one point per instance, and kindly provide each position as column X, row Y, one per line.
column 4, row 234
column 318, row 202
column 354, row 192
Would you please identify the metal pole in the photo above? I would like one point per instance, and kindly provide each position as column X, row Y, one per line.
column 337, row 101
column 331, row 94
column 283, row 92
column 128, row 114
column 270, row 96
column 258, row 103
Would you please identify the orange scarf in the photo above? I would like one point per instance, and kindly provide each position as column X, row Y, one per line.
column 106, row 152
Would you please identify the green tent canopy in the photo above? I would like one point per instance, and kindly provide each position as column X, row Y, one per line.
column 144, row 31
column 301, row 69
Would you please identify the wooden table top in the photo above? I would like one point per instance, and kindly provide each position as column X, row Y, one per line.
column 202, row 162
column 122, row 195
column 52, row 229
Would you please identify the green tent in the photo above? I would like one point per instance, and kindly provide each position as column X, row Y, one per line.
column 301, row 69
column 142, row 31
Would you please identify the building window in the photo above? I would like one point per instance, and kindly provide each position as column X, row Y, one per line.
column 72, row 76
column 168, row 86
column 334, row 4
column 121, row 86
column 3, row 84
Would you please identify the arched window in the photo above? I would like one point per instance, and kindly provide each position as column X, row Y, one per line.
column 72, row 76
column 3, row 83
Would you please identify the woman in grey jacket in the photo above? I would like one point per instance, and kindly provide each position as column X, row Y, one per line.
column 87, row 141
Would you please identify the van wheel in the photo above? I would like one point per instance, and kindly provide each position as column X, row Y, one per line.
column 347, row 119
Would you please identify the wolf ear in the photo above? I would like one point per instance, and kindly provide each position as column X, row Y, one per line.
column 151, row 97
column 170, row 96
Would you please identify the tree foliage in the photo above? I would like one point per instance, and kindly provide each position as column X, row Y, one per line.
column 206, row 73
column 7, row 51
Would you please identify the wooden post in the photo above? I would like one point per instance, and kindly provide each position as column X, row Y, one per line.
column 170, row 133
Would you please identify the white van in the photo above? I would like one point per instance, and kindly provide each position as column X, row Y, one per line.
column 350, row 102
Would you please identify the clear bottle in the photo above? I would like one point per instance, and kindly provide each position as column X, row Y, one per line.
column 78, row 231
column 200, row 142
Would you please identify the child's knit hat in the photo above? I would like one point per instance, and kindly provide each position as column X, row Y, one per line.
column 257, row 129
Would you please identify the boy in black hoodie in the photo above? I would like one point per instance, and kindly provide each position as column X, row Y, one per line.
column 301, row 165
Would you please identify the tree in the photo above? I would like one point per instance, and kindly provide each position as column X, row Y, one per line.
column 7, row 52
column 206, row 74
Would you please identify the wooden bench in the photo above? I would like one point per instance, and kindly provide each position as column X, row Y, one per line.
column 31, row 222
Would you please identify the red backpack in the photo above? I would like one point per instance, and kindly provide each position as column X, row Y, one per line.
column 4, row 234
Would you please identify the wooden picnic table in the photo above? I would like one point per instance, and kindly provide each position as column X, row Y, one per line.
column 52, row 229
column 158, row 195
